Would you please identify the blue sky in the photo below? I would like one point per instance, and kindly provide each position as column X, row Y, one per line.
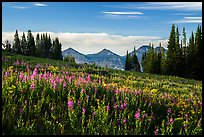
column 117, row 26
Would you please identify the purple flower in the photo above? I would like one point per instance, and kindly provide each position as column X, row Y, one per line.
column 124, row 120
column 82, row 90
column 6, row 74
column 169, row 111
column 115, row 106
column 108, row 108
column 124, row 104
column 94, row 113
column 64, row 84
column 32, row 86
column 58, row 79
column 171, row 120
column 137, row 114
column 186, row 116
column 184, row 126
column 55, row 86
column 40, row 76
column 121, row 107
column 21, row 76
column 83, row 110
column 156, row 132
column 70, row 104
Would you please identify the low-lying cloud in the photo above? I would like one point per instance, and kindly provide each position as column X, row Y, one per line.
column 88, row 43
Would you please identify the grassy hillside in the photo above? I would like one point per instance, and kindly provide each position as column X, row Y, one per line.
column 44, row 96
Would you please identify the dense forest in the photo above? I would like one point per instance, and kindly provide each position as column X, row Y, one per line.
column 182, row 59
column 43, row 46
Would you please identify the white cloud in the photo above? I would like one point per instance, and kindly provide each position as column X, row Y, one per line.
column 40, row 4
column 88, row 43
column 123, row 13
column 189, row 20
column 193, row 6
column 19, row 7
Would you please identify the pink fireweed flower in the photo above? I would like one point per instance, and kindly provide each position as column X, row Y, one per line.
column 124, row 120
column 6, row 74
column 55, row 86
column 171, row 121
column 58, row 79
column 121, row 107
column 94, row 113
column 184, row 126
column 88, row 78
column 21, row 76
column 82, row 90
column 83, row 110
column 124, row 104
column 108, row 108
column 66, row 73
column 115, row 106
column 45, row 76
column 156, row 132
column 40, row 76
column 64, row 84
column 169, row 111
column 32, row 86
column 137, row 114
column 70, row 104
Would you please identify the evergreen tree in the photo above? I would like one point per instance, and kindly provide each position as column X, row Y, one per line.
column 23, row 44
column 178, row 55
column 127, row 62
column 170, row 59
column 143, row 62
column 30, row 44
column 135, row 62
column 56, row 50
column 16, row 44
column 39, row 48
column 7, row 46
column 198, row 53
column 190, row 58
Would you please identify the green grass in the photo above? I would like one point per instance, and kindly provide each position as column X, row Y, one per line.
column 152, row 94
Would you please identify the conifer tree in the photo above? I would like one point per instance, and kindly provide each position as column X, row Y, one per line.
column 170, row 59
column 23, row 44
column 135, row 62
column 16, row 44
column 31, row 44
column 127, row 62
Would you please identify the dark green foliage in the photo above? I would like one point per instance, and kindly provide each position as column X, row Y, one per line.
column 16, row 44
column 170, row 59
column 56, row 50
column 30, row 50
column 7, row 46
column 128, row 62
column 134, row 62
column 24, row 45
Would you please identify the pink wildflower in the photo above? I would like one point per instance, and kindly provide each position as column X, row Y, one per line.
column 70, row 104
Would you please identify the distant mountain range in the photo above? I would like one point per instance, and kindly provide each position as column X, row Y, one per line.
column 105, row 57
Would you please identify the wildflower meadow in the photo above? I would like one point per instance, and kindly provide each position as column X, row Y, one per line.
column 42, row 98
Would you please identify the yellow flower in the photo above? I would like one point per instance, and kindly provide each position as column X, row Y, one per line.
column 154, row 90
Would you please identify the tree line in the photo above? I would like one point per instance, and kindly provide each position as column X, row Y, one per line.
column 182, row 59
column 42, row 46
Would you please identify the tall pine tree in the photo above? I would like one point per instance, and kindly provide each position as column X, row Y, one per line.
column 135, row 62
column 16, row 44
